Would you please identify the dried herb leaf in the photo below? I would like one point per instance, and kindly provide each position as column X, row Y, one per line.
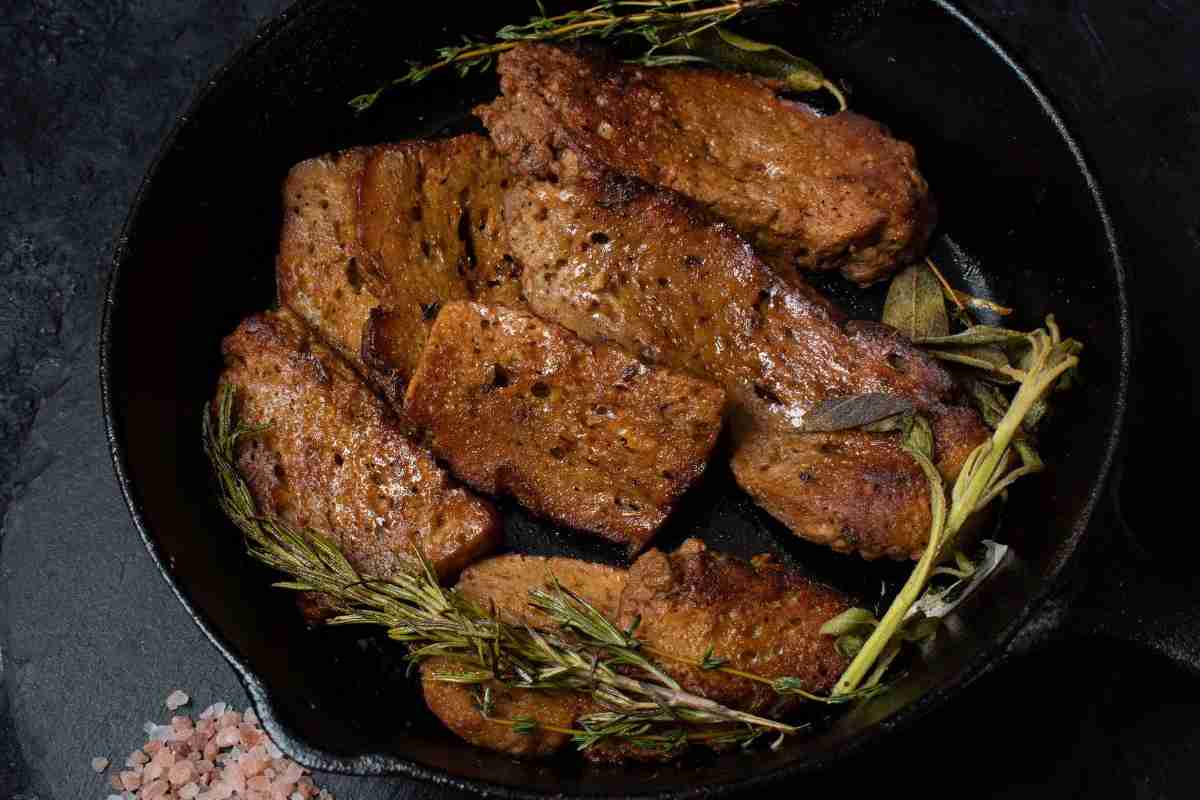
column 989, row 401
column 726, row 49
column 845, row 413
column 919, row 436
column 934, row 605
column 852, row 619
column 975, row 336
column 915, row 306
column 962, row 300
column 989, row 358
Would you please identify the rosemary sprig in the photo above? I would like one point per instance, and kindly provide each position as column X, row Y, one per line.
column 663, row 25
column 587, row 654
column 985, row 475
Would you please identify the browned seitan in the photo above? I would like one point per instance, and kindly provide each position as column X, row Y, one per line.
column 583, row 434
column 619, row 262
column 320, row 273
column 763, row 618
column 332, row 458
column 430, row 225
column 758, row 616
column 404, row 227
column 811, row 192
column 504, row 583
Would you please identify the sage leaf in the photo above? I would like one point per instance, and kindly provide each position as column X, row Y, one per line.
column 915, row 305
column 919, row 436
column 855, row 411
column 975, row 336
column 723, row 48
column 935, row 604
column 988, row 358
column 989, row 401
column 849, row 644
column 851, row 619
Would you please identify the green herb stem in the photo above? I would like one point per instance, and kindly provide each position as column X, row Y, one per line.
column 984, row 476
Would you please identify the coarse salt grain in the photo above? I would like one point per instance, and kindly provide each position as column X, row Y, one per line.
column 223, row 755
column 215, row 710
column 177, row 699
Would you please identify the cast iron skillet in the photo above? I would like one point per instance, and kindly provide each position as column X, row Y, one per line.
column 1022, row 221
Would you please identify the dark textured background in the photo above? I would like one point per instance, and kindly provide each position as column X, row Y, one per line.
column 91, row 639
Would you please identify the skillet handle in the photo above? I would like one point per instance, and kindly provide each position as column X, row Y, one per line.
column 1120, row 590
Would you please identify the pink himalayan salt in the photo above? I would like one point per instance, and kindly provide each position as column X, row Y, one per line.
column 115, row 782
column 251, row 764
column 181, row 773
column 136, row 759
column 176, row 699
column 292, row 772
column 130, row 781
column 153, row 772
column 229, row 719
column 228, row 737
column 99, row 764
column 189, row 791
column 235, row 778
column 250, row 717
column 250, row 735
column 152, row 747
column 259, row 783
column 153, row 791
column 211, row 749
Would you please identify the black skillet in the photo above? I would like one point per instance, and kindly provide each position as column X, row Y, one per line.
column 1022, row 222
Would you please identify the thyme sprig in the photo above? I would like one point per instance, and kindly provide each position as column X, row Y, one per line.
column 661, row 24
column 986, row 474
column 641, row 704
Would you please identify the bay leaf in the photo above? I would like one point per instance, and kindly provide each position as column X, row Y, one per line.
column 855, row 411
column 915, row 305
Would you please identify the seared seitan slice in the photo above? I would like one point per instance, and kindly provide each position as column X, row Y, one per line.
column 320, row 273
column 504, row 583
column 759, row 616
column 860, row 493
column 583, row 434
column 616, row 261
column 406, row 227
column 763, row 618
column 814, row 192
column 332, row 458
column 430, row 225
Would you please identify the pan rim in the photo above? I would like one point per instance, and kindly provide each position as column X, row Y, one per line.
column 384, row 764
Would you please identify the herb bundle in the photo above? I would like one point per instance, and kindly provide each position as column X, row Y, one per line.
column 673, row 31
column 1038, row 363
column 642, row 705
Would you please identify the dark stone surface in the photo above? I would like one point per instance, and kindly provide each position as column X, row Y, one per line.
column 91, row 639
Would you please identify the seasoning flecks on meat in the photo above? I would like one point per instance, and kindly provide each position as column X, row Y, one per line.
column 810, row 192
column 583, row 434
column 620, row 262
column 331, row 456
